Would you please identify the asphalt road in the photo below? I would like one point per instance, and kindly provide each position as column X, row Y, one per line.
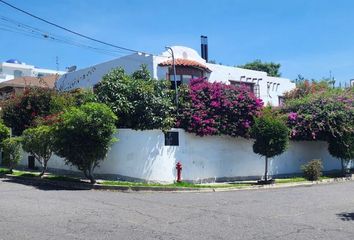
column 317, row 212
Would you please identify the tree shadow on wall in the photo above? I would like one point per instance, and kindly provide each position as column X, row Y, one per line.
column 346, row 216
column 155, row 149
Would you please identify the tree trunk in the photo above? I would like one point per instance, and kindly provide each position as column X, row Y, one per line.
column 90, row 173
column 91, row 177
column 85, row 173
column 44, row 168
column 266, row 170
column 342, row 163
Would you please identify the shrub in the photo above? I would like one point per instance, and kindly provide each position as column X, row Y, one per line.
column 83, row 136
column 12, row 152
column 312, row 170
column 216, row 108
column 138, row 103
column 39, row 142
column 271, row 137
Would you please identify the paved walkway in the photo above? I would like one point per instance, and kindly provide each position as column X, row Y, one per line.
column 42, row 213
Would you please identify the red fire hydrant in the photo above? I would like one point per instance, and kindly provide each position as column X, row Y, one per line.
column 179, row 171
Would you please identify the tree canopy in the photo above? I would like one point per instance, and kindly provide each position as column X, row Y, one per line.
column 138, row 103
column 83, row 136
column 12, row 152
column 272, row 69
column 271, row 137
column 39, row 142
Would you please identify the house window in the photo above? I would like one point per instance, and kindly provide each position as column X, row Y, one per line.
column 171, row 139
column 17, row 73
column 248, row 85
column 186, row 78
column 184, row 75
column 178, row 78
column 281, row 100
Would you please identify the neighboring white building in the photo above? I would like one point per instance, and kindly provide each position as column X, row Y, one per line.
column 13, row 68
column 189, row 64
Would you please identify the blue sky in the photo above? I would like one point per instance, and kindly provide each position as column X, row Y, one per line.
column 308, row 37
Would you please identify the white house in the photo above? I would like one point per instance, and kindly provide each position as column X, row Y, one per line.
column 189, row 64
column 13, row 68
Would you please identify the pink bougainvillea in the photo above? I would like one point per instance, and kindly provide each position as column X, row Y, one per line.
column 217, row 108
column 320, row 116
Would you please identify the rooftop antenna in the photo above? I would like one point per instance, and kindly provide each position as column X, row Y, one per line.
column 57, row 62
column 71, row 68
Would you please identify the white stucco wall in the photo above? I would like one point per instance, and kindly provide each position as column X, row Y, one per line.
column 277, row 86
column 88, row 77
column 7, row 71
column 143, row 155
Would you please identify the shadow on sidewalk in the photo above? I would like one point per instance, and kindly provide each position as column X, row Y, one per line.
column 349, row 216
column 50, row 186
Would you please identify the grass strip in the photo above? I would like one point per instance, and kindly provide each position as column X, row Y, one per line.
column 240, row 184
column 174, row 185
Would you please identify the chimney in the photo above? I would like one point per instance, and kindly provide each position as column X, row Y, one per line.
column 204, row 47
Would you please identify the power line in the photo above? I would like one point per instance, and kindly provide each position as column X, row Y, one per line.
column 46, row 37
column 40, row 36
column 66, row 29
column 27, row 30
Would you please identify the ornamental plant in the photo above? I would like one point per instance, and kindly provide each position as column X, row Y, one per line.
column 313, row 170
column 320, row 116
column 216, row 108
column 12, row 152
column 271, row 137
column 83, row 136
column 39, row 142
column 139, row 104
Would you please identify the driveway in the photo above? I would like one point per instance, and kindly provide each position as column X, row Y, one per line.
column 41, row 212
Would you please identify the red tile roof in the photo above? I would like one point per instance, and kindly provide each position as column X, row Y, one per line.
column 185, row 63
column 44, row 82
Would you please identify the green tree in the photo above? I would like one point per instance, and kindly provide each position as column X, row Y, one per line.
column 12, row 152
column 82, row 96
column 83, row 136
column 142, row 73
column 272, row 69
column 342, row 147
column 4, row 132
column 39, row 142
column 271, row 137
column 138, row 103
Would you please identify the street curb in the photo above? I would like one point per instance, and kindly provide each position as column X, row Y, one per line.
column 87, row 186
